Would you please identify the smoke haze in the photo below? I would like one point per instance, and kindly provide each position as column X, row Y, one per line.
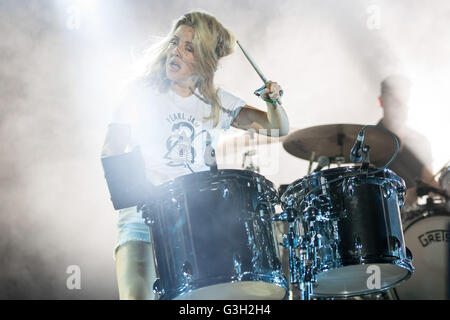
column 62, row 63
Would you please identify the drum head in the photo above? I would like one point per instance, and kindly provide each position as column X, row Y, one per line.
column 241, row 290
column 359, row 279
column 428, row 240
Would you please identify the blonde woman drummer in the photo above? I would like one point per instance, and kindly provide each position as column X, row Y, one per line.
column 170, row 112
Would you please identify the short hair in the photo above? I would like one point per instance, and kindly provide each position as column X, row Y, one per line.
column 399, row 84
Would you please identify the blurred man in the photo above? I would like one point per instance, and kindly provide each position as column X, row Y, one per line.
column 414, row 159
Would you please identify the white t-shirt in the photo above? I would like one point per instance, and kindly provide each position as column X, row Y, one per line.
column 171, row 130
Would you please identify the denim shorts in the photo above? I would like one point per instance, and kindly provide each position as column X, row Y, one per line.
column 131, row 227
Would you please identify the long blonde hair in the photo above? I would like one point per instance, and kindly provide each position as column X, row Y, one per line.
column 211, row 42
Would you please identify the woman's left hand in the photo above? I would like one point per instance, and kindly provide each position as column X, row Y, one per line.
column 275, row 117
column 273, row 91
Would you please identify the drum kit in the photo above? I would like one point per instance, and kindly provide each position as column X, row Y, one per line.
column 214, row 235
column 213, row 231
column 344, row 235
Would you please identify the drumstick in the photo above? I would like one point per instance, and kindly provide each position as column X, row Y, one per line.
column 258, row 71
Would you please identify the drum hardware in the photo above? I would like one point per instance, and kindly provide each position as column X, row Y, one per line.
column 323, row 202
column 322, row 162
column 306, row 269
column 328, row 238
column 251, row 154
column 443, row 170
column 337, row 242
column 186, row 272
column 340, row 221
column 157, row 289
column 444, row 182
column 360, row 150
column 213, row 167
column 301, row 269
column 311, row 160
column 365, row 157
column 210, row 155
column 425, row 189
column 338, row 160
column 291, row 242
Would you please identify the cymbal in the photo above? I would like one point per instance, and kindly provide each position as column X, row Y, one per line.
column 337, row 140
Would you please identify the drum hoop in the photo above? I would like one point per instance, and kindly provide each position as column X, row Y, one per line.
column 403, row 263
column 351, row 170
column 274, row 278
column 409, row 223
column 178, row 182
column 444, row 173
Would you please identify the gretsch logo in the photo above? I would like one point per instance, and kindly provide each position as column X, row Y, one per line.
column 434, row 236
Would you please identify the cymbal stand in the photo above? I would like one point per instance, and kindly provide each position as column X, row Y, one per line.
column 442, row 169
column 301, row 266
column 291, row 242
column 251, row 154
column 311, row 160
column 306, row 272
column 338, row 160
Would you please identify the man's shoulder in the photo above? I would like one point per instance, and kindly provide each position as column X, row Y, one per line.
column 416, row 137
column 410, row 135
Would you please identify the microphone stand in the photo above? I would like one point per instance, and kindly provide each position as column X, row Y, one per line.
column 365, row 157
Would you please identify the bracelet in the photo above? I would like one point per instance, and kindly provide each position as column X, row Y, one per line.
column 270, row 101
column 273, row 102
